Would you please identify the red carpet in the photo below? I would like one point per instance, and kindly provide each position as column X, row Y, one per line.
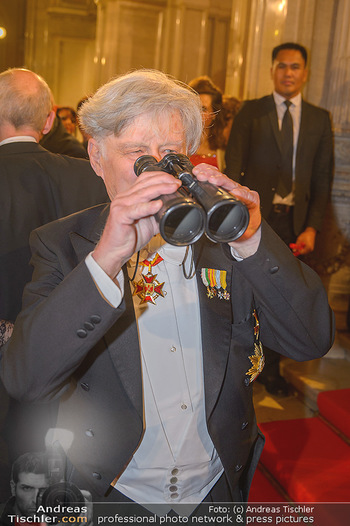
column 262, row 490
column 309, row 460
column 335, row 407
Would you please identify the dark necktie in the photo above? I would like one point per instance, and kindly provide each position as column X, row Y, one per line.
column 286, row 178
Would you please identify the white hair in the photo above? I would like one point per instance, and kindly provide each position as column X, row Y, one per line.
column 119, row 102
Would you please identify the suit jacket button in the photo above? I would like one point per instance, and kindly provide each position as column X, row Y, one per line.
column 246, row 381
column 95, row 318
column 96, row 475
column 273, row 270
column 85, row 386
column 244, row 425
column 81, row 333
column 89, row 326
column 89, row 433
column 238, row 467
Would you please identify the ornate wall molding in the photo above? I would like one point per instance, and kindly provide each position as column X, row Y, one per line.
column 185, row 38
column 60, row 41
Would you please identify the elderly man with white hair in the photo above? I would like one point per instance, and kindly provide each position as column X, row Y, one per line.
column 152, row 349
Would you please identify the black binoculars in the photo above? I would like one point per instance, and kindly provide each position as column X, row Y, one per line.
column 197, row 206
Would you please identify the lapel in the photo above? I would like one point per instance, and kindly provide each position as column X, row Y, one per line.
column 124, row 348
column 273, row 118
column 84, row 241
column 122, row 338
column 216, row 321
column 306, row 124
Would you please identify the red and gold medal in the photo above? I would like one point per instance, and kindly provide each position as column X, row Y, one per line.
column 148, row 288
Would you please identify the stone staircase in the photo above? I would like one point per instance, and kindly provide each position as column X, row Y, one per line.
column 308, row 379
column 325, row 374
column 302, row 446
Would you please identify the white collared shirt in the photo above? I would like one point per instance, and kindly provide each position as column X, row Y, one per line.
column 176, row 461
column 18, row 138
column 295, row 111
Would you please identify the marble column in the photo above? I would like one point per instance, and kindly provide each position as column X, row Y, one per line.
column 60, row 44
column 330, row 87
column 256, row 27
column 338, row 101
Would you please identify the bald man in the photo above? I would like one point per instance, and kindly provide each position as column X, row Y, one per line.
column 36, row 186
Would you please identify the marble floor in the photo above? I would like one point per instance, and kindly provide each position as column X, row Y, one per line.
column 307, row 380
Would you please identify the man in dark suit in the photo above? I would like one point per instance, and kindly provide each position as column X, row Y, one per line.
column 36, row 187
column 152, row 349
column 58, row 140
column 293, row 181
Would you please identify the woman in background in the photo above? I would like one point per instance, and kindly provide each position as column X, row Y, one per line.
column 68, row 117
column 213, row 123
column 218, row 112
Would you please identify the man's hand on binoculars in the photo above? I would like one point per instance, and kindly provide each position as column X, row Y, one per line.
column 205, row 172
column 131, row 223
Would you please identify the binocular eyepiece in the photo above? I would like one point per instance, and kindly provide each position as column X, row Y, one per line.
column 197, row 206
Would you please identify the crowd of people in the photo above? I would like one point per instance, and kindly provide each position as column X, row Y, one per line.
column 137, row 357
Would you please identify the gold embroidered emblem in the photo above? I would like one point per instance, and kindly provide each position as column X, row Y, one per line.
column 257, row 359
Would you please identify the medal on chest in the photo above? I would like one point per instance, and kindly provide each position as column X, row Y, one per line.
column 148, row 288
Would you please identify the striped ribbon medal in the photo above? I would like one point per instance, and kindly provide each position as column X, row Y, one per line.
column 215, row 282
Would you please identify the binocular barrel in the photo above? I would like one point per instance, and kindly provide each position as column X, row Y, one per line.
column 181, row 219
column 196, row 207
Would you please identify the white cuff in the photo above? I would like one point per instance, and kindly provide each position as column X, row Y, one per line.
column 243, row 249
column 110, row 291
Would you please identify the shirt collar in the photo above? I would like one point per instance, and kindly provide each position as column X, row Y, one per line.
column 279, row 99
column 170, row 253
column 18, row 138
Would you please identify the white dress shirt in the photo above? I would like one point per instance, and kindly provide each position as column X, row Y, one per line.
column 176, row 461
column 295, row 111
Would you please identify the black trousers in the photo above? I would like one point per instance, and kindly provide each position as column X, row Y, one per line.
column 280, row 220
